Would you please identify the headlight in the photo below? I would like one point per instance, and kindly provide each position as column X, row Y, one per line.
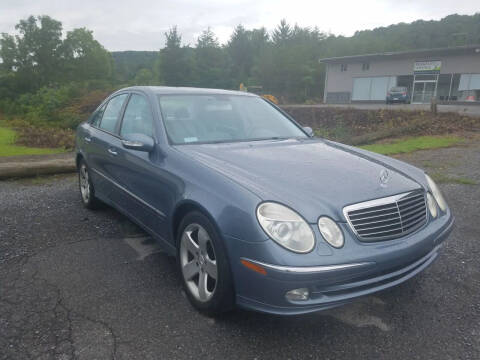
column 436, row 193
column 330, row 231
column 432, row 206
column 286, row 227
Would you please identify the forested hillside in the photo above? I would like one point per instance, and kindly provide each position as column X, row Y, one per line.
column 285, row 61
column 453, row 30
column 51, row 78
column 127, row 64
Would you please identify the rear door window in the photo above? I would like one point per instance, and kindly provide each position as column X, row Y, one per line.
column 95, row 120
column 112, row 113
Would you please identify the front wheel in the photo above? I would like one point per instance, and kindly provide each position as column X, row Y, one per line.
column 204, row 266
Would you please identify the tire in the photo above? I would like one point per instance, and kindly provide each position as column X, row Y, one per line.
column 87, row 191
column 201, row 256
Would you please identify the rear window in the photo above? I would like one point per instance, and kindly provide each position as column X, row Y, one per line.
column 398, row 89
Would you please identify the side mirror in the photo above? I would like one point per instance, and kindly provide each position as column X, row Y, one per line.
column 139, row 142
column 309, row 131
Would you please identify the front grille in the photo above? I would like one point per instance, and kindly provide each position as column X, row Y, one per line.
column 388, row 218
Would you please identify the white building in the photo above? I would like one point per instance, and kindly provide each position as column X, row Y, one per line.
column 452, row 75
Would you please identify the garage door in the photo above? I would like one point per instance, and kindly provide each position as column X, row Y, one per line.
column 469, row 82
column 372, row 88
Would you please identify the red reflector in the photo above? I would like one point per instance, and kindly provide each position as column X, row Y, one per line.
column 255, row 267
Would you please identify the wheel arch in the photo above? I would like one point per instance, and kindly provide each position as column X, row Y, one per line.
column 187, row 206
column 78, row 158
column 182, row 210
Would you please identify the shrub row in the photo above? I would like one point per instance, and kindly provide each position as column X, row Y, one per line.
column 357, row 126
column 63, row 106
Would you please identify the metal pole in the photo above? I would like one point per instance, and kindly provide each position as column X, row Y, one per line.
column 413, row 88
column 325, row 85
column 450, row 90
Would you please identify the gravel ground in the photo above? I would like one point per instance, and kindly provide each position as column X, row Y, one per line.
column 90, row 285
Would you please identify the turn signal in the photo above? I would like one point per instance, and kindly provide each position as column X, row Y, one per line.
column 255, row 267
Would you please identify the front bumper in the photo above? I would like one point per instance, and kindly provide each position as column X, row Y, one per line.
column 335, row 285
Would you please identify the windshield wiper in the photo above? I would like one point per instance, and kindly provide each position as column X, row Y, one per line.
column 231, row 141
column 271, row 138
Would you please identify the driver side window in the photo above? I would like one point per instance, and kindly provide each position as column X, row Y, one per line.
column 138, row 117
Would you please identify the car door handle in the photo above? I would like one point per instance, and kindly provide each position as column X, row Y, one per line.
column 88, row 139
column 113, row 152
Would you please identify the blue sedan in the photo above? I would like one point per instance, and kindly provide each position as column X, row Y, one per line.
column 258, row 212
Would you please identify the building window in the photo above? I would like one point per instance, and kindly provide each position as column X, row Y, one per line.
column 365, row 66
column 343, row 67
column 469, row 87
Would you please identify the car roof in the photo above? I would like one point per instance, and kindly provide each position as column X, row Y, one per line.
column 170, row 90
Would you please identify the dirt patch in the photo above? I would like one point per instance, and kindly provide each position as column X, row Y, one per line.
column 45, row 137
column 455, row 166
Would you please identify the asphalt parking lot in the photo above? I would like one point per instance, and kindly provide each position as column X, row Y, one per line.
column 90, row 285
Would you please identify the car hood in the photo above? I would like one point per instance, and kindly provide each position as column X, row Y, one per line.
column 313, row 176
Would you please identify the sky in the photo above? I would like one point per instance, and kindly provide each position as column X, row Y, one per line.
column 141, row 24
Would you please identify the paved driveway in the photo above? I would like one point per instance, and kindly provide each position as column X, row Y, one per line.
column 90, row 285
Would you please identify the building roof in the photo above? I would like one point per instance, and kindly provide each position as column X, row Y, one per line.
column 457, row 50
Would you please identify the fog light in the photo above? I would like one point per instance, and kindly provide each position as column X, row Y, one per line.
column 301, row 294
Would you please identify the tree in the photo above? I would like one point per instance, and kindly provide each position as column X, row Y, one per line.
column 282, row 33
column 207, row 39
column 84, row 57
column 8, row 53
column 240, row 50
column 128, row 63
column 173, row 40
column 38, row 56
column 210, row 62
column 176, row 62
column 145, row 77
column 38, row 53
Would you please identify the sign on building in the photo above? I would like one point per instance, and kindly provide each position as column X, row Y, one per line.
column 427, row 67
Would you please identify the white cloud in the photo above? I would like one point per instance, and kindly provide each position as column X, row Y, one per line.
column 140, row 24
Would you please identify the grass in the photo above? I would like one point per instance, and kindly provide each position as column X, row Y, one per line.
column 446, row 179
column 8, row 147
column 413, row 144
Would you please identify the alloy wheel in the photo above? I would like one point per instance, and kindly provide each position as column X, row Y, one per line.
column 84, row 184
column 198, row 262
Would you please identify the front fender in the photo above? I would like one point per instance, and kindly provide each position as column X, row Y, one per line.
column 230, row 206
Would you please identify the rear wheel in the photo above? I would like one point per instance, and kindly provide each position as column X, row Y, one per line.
column 204, row 266
column 87, row 190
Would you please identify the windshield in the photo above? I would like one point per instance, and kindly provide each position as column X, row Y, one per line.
column 223, row 118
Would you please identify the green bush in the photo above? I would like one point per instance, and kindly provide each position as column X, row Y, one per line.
column 63, row 106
